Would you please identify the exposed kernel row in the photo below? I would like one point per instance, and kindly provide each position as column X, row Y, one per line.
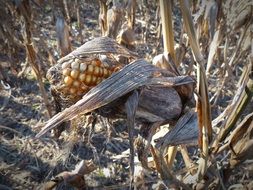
column 79, row 76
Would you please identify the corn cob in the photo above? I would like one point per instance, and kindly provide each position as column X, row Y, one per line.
column 80, row 76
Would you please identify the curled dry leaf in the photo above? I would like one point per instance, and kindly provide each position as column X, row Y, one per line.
column 241, row 142
column 74, row 178
column 127, row 38
column 185, row 132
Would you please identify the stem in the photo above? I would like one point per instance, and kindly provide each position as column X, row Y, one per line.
column 167, row 28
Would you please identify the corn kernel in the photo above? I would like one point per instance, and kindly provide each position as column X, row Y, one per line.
column 74, row 74
column 66, row 71
column 75, row 65
column 96, row 71
column 83, row 67
column 101, row 71
column 105, row 73
column 88, row 79
column 90, row 69
column 99, row 80
column 96, row 62
column 76, row 83
column 82, row 77
column 66, row 64
column 72, row 90
column 93, row 80
column 115, row 69
column 84, row 87
column 68, row 80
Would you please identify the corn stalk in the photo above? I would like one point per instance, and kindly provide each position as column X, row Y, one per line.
column 103, row 17
column 131, row 9
column 25, row 10
column 168, row 43
column 203, row 106
column 167, row 27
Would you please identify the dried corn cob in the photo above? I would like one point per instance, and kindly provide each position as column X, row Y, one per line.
column 81, row 75
column 78, row 72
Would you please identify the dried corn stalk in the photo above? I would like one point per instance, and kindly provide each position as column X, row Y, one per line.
column 62, row 31
column 114, row 20
column 103, row 16
column 203, row 105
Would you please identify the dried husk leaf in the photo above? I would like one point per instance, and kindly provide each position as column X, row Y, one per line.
column 241, row 141
column 212, row 50
column 74, row 178
column 100, row 45
column 185, row 132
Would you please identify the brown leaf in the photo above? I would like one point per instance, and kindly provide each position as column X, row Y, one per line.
column 241, row 142
column 74, row 178
column 185, row 132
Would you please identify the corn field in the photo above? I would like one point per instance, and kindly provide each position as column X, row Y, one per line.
column 131, row 94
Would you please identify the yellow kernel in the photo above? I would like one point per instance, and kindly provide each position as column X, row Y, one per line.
column 88, row 79
column 78, row 60
column 75, row 65
column 93, row 80
column 101, row 71
column 66, row 64
column 99, row 80
column 115, row 69
column 96, row 62
column 96, row 71
column 82, row 77
column 83, row 67
column 66, row 71
column 76, row 83
column 90, row 69
column 105, row 73
column 68, row 80
column 84, row 87
column 72, row 90
column 74, row 74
